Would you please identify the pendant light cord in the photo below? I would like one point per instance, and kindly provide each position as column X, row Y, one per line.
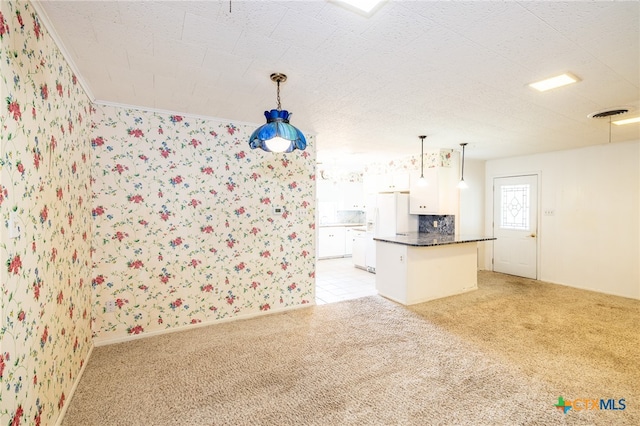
column 278, row 97
column 462, row 174
column 422, row 157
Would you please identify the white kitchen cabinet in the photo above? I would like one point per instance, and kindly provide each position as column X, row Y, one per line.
column 348, row 241
column 370, row 183
column 345, row 195
column 393, row 182
column 351, row 196
column 350, row 237
column 324, row 191
column 370, row 252
column 438, row 196
column 331, row 241
column 359, row 250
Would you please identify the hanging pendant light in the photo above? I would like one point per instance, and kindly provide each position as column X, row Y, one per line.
column 462, row 184
column 277, row 135
column 422, row 181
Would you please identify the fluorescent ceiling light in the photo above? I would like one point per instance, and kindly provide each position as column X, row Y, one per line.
column 627, row 121
column 365, row 6
column 553, row 82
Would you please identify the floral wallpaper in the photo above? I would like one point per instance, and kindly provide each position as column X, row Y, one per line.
column 45, row 321
column 185, row 230
column 336, row 176
column 129, row 223
column 432, row 158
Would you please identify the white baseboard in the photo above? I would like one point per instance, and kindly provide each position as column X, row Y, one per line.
column 67, row 400
column 112, row 341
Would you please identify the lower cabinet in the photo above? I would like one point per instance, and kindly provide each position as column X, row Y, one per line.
column 348, row 241
column 342, row 241
column 331, row 241
column 359, row 251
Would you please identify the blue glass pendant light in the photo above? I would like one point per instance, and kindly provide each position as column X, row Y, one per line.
column 277, row 135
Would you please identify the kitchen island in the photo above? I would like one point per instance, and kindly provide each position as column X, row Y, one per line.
column 416, row 267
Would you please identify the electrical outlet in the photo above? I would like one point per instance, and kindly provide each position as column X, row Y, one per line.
column 110, row 306
column 435, row 223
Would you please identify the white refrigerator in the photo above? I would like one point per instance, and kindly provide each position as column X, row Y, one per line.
column 390, row 217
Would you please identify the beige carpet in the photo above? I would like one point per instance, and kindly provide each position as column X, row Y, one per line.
column 500, row 355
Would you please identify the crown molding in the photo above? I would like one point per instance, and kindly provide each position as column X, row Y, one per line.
column 44, row 19
column 180, row 113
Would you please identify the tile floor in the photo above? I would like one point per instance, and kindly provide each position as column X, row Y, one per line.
column 338, row 279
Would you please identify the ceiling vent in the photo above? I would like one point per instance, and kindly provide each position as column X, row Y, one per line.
column 608, row 113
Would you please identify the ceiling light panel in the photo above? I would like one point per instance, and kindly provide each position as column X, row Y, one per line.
column 366, row 6
column 554, row 82
column 627, row 121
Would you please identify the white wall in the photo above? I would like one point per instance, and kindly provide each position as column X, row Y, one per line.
column 593, row 239
column 472, row 213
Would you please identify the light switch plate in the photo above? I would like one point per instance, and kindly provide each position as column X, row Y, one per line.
column 14, row 225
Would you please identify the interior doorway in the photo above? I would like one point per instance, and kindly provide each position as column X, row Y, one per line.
column 338, row 279
column 515, row 225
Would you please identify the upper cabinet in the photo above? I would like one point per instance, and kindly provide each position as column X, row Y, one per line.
column 393, row 182
column 343, row 195
column 370, row 184
column 437, row 194
column 351, row 196
column 325, row 191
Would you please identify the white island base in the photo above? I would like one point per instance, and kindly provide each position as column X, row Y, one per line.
column 413, row 274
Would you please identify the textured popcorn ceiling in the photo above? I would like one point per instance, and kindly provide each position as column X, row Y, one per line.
column 368, row 86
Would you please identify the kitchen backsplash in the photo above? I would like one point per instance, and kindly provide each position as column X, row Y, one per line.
column 446, row 224
column 350, row 216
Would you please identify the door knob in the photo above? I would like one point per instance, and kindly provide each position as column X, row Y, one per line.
column 532, row 235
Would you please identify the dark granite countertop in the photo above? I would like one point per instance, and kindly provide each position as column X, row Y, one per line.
column 422, row 239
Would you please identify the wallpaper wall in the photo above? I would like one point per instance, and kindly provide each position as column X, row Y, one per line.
column 178, row 230
column 337, row 176
column 45, row 333
column 432, row 158
column 184, row 226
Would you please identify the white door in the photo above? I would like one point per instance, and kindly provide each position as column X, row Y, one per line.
column 515, row 225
